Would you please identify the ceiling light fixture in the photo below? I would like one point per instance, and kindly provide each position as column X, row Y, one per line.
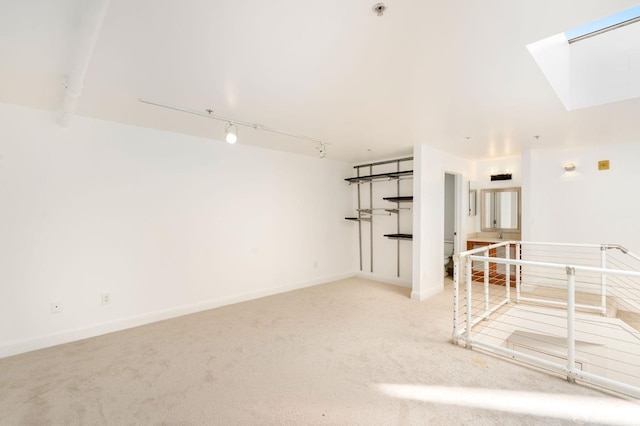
column 569, row 167
column 231, row 133
column 231, row 129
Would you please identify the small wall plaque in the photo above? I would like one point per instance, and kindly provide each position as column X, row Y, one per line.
column 603, row 165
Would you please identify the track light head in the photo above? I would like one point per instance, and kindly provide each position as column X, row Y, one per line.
column 322, row 148
column 231, row 133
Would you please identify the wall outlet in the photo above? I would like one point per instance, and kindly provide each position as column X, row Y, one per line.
column 105, row 298
column 56, row 307
column 315, row 263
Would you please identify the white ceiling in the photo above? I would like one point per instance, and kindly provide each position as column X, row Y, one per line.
column 433, row 72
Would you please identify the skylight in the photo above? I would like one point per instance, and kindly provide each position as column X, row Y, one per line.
column 598, row 70
column 602, row 25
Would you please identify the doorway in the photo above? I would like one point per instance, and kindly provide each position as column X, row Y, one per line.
column 451, row 226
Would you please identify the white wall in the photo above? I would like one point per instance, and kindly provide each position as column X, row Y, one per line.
column 168, row 224
column 430, row 166
column 587, row 205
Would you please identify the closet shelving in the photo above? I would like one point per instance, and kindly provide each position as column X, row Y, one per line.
column 406, row 199
column 405, row 237
column 379, row 176
column 366, row 214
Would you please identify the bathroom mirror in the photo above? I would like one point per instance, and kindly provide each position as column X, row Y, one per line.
column 500, row 210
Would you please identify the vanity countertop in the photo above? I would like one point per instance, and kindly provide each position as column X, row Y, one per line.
column 486, row 240
column 492, row 237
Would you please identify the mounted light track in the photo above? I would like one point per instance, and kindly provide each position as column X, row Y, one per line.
column 231, row 129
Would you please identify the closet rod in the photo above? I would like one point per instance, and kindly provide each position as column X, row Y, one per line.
column 383, row 162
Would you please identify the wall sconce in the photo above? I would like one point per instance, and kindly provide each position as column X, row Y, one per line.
column 569, row 167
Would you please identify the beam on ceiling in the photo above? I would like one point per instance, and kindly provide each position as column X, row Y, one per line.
column 92, row 20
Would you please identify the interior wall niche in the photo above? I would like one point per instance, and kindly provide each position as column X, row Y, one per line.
column 384, row 206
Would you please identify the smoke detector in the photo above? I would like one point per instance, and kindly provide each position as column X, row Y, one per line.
column 379, row 8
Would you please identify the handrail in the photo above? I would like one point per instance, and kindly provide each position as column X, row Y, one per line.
column 504, row 261
column 615, row 246
column 553, row 265
column 538, row 243
column 494, row 304
column 623, row 250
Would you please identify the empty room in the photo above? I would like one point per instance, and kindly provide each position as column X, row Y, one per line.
column 366, row 213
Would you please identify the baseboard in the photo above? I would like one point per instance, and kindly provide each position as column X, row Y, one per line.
column 67, row 336
column 383, row 279
column 424, row 295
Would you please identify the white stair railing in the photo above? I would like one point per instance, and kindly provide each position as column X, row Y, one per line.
column 625, row 289
column 558, row 319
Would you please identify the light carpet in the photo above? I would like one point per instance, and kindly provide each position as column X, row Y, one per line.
column 351, row 352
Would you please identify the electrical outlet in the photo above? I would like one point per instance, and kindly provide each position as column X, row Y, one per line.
column 56, row 307
column 105, row 298
column 315, row 263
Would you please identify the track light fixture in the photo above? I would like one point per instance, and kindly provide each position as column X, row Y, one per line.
column 231, row 133
column 231, row 129
column 322, row 149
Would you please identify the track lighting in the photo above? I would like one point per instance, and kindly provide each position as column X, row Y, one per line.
column 231, row 129
column 231, row 133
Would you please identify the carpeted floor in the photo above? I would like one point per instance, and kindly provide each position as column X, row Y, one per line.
column 351, row 352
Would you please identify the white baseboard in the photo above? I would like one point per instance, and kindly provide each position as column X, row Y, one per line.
column 72, row 335
column 383, row 279
column 403, row 283
column 420, row 296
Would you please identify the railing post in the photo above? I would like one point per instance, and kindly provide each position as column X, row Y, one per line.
column 469, row 301
column 571, row 340
column 507, row 272
column 518, row 272
column 603, row 279
column 456, row 261
column 486, row 285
